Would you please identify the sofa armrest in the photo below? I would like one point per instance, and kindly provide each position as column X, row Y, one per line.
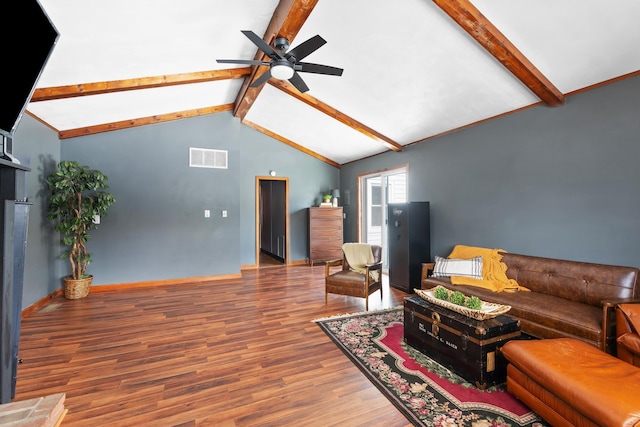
column 426, row 268
column 610, row 304
column 608, row 343
column 631, row 342
column 628, row 333
column 373, row 278
column 329, row 264
column 374, row 266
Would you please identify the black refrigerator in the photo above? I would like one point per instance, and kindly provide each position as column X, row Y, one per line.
column 408, row 238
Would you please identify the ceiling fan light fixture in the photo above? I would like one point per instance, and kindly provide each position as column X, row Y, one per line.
column 282, row 71
column 283, row 64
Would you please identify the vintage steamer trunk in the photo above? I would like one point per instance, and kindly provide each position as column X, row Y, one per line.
column 466, row 346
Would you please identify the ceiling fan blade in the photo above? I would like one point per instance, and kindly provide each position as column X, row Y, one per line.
column 305, row 48
column 242, row 61
column 297, row 81
column 263, row 78
column 262, row 45
column 308, row 67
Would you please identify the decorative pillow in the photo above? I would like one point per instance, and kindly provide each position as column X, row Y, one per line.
column 446, row 267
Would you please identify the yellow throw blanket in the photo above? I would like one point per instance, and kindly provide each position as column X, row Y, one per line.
column 494, row 271
column 358, row 256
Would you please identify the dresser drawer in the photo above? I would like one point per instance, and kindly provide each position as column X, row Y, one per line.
column 320, row 224
column 322, row 254
column 325, row 234
column 329, row 234
column 325, row 213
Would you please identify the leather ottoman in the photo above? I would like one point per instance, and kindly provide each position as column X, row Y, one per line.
column 571, row 383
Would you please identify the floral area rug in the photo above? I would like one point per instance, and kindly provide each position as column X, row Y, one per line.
column 427, row 393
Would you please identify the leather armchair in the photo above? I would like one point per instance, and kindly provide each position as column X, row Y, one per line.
column 628, row 333
column 353, row 283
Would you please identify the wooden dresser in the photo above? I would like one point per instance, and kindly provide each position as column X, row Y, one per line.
column 325, row 234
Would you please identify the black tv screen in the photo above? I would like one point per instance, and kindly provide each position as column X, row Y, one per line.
column 28, row 38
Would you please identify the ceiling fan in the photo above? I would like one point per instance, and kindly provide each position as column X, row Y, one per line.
column 285, row 65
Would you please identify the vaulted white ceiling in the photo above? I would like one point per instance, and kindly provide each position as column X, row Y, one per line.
column 412, row 70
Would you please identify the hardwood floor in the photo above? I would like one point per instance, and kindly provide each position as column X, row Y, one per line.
column 240, row 352
column 269, row 261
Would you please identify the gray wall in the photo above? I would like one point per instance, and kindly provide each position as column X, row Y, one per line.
column 558, row 182
column 309, row 178
column 37, row 146
column 157, row 230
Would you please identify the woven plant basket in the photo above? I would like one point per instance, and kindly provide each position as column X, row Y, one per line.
column 77, row 288
column 489, row 310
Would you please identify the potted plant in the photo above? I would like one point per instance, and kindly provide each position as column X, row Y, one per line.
column 78, row 200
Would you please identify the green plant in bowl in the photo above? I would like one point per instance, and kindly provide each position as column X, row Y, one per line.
column 441, row 293
column 457, row 298
column 473, row 303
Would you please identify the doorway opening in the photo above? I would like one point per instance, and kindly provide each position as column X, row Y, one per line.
column 272, row 221
column 377, row 190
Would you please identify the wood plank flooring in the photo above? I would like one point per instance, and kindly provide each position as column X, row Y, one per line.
column 240, row 352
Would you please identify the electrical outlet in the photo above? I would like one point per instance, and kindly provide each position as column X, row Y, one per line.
column 224, row 213
column 207, row 213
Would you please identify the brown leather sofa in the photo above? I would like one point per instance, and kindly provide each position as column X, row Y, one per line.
column 628, row 333
column 567, row 298
column 571, row 383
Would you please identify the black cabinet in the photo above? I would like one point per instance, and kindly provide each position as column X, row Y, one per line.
column 14, row 218
column 409, row 243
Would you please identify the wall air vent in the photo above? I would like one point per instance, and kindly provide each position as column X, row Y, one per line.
column 206, row 158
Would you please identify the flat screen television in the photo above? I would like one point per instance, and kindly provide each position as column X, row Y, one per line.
column 29, row 44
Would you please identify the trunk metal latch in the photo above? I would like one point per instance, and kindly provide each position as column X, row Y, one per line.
column 434, row 326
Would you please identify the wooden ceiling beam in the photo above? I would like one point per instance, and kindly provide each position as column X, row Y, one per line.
column 158, row 118
column 287, row 20
column 290, row 143
column 335, row 114
column 86, row 89
column 491, row 39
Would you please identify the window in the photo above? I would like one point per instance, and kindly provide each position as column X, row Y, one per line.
column 378, row 189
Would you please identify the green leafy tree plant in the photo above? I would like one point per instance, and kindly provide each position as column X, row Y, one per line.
column 78, row 195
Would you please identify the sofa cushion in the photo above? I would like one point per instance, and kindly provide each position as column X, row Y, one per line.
column 584, row 282
column 447, row 267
